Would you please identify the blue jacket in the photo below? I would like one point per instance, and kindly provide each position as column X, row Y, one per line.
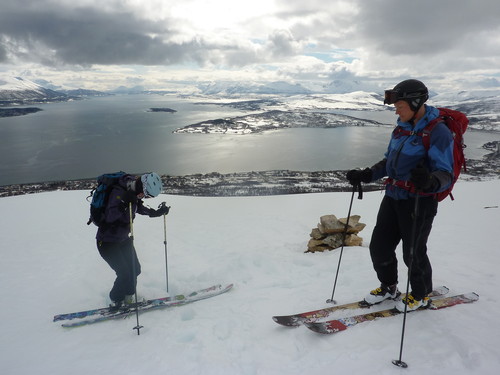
column 405, row 152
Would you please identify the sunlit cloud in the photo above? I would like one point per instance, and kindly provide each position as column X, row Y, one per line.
column 106, row 43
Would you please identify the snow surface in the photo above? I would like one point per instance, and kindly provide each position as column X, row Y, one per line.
column 50, row 265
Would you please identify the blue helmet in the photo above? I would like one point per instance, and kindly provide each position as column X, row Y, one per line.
column 151, row 184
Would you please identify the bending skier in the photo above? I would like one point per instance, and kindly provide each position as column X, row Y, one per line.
column 113, row 241
column 412, row 169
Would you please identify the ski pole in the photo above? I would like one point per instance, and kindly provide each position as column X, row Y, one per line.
column 165, row 243
column 137, row 327
column 355, row 188
column 399, row 362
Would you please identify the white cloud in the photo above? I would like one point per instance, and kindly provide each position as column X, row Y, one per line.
column 292, row 39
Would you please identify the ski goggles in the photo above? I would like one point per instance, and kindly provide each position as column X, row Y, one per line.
column 391, row 96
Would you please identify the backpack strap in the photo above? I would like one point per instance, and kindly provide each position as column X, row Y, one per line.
column 425, row 133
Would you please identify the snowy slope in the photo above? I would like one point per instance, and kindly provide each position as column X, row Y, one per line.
column 16, row 89
column 50, row 265
column 18, row 84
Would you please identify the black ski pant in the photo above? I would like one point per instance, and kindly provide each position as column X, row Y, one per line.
column 395, row 222
column 122, row 258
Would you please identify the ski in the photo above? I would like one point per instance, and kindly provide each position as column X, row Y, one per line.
column 107, row 310
column 312, row 316
column 102, row 314
column 337, row 325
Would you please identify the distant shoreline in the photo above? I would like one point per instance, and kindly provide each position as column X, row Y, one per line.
column 262, row 183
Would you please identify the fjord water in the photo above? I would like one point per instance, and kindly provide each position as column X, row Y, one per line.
column 84, row 138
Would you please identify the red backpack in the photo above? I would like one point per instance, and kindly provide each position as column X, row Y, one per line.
column 457, row 122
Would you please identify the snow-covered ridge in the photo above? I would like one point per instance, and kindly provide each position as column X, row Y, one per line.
column 18, row 84
column 20, row 91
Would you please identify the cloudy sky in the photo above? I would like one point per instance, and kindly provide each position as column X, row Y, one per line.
column 103, row 44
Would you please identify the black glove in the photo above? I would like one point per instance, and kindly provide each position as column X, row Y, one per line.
column 162, row 210
column 355, row 176
column 423, row 179
column 129, row 197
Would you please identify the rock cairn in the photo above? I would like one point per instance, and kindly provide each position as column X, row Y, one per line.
column 330, row 231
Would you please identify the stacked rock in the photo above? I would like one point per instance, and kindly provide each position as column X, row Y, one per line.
column 330, row 231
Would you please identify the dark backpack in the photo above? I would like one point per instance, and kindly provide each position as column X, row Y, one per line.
column 100, row 196
column 457, row 122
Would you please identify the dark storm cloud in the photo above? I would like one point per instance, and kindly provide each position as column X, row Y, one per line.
column 3, row 54
column 57, row 34
column 399, row 27
column 426, row 26
column 463, row 34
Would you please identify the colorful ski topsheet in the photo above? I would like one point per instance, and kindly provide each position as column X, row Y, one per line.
column 337, row 325
column 92, row 316
column 312, row 316
column 108, row 310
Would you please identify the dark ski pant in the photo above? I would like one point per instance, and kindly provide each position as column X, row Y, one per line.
column 394, row 224
column 122, row 258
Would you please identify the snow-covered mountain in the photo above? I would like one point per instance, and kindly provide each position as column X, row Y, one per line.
column 343, row 86
column 481, row 106
column 242, row 88
column 16, row 90
column 84, row 92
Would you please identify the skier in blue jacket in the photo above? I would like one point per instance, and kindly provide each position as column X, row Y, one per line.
column 115, row 245
column 411, row 169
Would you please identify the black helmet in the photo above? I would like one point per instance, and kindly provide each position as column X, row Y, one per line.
column 411, row 91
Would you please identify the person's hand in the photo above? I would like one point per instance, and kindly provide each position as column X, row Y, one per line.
column 163, row 209
column 356, row 176
column 423, row 179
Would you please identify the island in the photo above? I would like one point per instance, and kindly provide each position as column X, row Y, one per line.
column 9, row 112
column 168, row 110
column 274, row 120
